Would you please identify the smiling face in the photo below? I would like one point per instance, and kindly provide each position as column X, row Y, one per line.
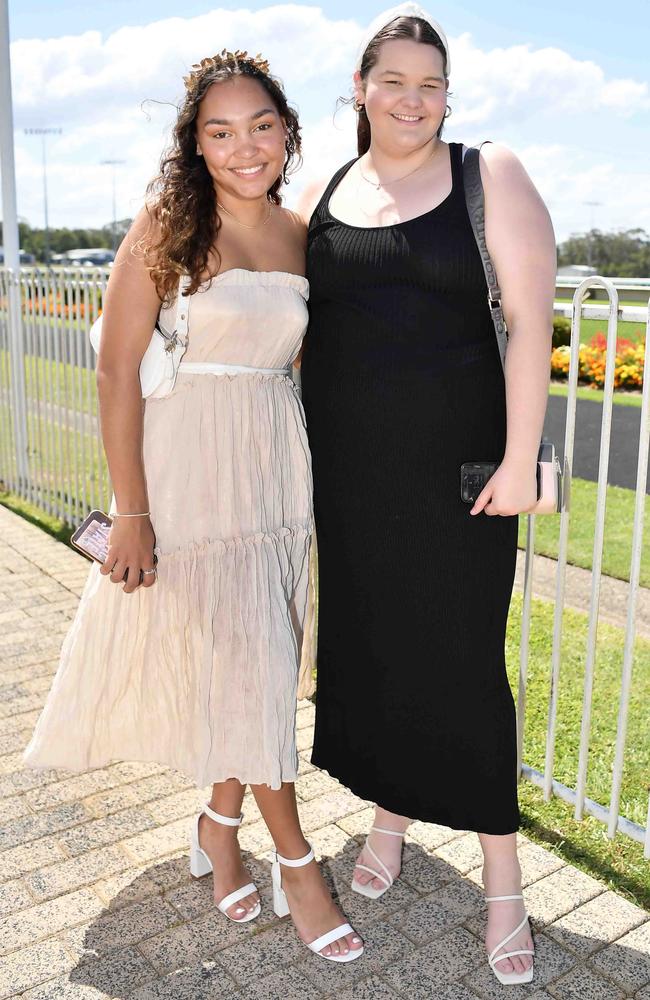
column 241, row 136
column 405, row 95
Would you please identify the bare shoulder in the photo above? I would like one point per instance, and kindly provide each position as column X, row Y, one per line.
column 294, row 220
column 130, row 279
column 293, row 230
column 518, row 226
column 502, row 169
column 309, row 197
column 143, row 232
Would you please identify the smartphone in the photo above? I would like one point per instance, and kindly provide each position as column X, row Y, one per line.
column 91, row 537
column 473, row 477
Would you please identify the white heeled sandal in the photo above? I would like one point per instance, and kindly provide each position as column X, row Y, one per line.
column 510, row 978
column 200, row 865
column 367, row 890
column 281, row 908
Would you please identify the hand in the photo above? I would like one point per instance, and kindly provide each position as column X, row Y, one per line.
column 131, row 542
column 511, row 490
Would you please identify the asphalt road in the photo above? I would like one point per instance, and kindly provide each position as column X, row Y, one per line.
column 624, row 442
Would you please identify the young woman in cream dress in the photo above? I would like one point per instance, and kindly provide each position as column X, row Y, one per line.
column 194, row 660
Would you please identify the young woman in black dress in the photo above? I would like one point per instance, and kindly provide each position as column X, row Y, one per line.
column 402, row 383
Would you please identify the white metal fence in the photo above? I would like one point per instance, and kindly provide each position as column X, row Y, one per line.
column 607, row 813
column 50, row 448
column 51, row 455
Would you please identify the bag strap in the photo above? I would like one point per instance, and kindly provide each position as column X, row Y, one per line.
column 475, row 201
column 181, row 317
column 181, row 324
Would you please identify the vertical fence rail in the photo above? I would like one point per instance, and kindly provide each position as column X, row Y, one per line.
column 599, row 536
column 633, row 593
column 7, row 454
column 524, row 645
column 560, row 579
column 50, row 383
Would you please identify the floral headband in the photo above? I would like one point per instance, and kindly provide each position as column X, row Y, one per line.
column 225, row 60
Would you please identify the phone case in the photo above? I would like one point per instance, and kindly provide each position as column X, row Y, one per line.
column 91, row 537
column 473, row 477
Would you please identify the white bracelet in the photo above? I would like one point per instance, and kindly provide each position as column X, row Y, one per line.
column 146, row 514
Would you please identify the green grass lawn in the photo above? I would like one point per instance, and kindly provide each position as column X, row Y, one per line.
column 598, row 302
column 584, row 843
column 619, row 398
column 617, row 548
column 631, row 331
column 70, row 386
column 52, row 448
column 52, row 525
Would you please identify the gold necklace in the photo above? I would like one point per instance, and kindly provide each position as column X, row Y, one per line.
column 382, row 184
column 243, row 224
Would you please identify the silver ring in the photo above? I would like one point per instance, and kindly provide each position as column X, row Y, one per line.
column 148, row 572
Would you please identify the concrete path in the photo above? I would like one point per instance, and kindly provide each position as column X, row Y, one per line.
column 613, row 593
column 96, row 900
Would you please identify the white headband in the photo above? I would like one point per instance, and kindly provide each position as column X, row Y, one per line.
column 403, row 10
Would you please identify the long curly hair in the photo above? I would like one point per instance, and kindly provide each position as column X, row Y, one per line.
column 182, row 199
column 416, row 30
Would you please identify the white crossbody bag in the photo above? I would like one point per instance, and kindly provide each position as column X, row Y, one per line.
column 159, row 365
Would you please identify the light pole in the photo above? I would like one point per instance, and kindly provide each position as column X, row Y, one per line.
column 43, row 132
column 592, row 205
column 12, row 263
column 113, row 164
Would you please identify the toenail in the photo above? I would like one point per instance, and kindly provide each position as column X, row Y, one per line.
column 356, row 940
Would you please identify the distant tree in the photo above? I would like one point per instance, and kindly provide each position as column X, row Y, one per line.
column 624, row 253
column 61, row 240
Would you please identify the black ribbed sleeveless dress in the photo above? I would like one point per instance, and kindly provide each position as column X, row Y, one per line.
column 402, row 383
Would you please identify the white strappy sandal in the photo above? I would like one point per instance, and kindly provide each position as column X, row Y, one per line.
column 200, row 865
column 510, row 978
column 281, row 908
column 367, row 890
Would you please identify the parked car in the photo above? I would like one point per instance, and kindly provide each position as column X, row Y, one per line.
column 576, row 271
column 87, row 257
column 25, row 257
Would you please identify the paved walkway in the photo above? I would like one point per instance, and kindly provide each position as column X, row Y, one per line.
column 577, row 592
column 96, row 900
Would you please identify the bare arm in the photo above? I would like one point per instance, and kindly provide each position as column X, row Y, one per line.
column 130, row 310
column 521, row 242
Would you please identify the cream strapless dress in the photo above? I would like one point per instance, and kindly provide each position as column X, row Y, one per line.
column 201, row 672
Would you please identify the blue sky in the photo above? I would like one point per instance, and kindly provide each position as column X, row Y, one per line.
column 564, row 84
column 617, row 35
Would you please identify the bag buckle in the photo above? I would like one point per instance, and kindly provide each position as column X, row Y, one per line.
column 171, row 343
column 494, row 303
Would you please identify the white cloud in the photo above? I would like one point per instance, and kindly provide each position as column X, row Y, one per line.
column 74, row 76
column 104, row 93
column 518, row 84
column 569, row 178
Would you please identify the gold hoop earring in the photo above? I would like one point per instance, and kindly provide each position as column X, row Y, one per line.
column 447, row 112
column 358, row 106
